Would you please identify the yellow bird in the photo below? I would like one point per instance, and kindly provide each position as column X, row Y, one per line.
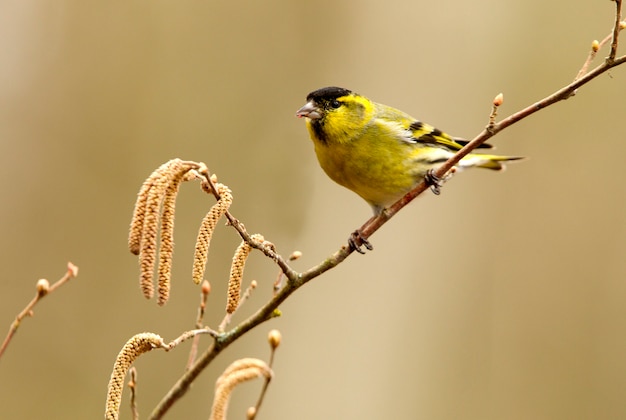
column 377, row 151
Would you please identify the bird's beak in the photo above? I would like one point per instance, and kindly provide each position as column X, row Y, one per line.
column 310, row 110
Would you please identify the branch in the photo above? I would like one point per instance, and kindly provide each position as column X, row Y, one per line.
column 373, row 224
column 295, row 280
column 617, row 27
column 43, row 288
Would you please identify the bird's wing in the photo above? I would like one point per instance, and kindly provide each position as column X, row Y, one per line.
column 413, row 131
column 424, row 133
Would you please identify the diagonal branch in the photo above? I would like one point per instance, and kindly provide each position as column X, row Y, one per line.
column 44, row 288
column 296, row 280
column 373, row 224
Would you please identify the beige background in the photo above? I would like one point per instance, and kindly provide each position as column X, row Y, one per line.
column 501, row 299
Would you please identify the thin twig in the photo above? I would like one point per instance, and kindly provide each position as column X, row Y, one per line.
column 616, row 30
column 204, row 295
column 274, row 339
column 209, row 186
column 43, row 289
column 189, row 334
column 595, row 47
column 132, row 385
column 278, row 283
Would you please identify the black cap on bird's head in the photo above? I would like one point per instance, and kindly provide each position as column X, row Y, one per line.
column 320, row 100
column 327, row 94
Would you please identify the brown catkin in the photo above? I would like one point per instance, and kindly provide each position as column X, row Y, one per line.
column 137, row 222
column 166, row 250
column 236, row 273
column 133, row 348
column 206, row 231
column 238, row 372
column 148, row 246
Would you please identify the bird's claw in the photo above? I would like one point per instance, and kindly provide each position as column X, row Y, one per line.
column 356, row 241
column 433, row 181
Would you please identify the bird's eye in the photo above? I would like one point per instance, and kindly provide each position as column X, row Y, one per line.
column 335, row 104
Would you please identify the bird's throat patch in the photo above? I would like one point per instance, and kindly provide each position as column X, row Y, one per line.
column 318, row 131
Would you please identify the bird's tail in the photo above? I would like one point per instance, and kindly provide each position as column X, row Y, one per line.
column 493, row 162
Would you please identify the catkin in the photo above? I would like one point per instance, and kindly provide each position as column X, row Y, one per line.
column 137, row 345
column 206, row 231
column 236, row 273
column 137, row 222
column 238, row 372
column 160, row 189
column 166, row 250
column 148, row 243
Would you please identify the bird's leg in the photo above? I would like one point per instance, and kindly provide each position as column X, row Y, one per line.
column 356, row 240
column 433, row 181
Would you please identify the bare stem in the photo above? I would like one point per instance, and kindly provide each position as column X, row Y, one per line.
column 266, row 385
column 132, row 385
column 616, row 30
column 209, row 186
column 204, row 295
column 43, row 289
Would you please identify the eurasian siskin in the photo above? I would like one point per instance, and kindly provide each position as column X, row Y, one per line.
column 377, row 151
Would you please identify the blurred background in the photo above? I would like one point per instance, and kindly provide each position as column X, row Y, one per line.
column 503, row 298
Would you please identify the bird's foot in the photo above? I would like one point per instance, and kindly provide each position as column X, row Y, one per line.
column 433, row 181
column 356, row 241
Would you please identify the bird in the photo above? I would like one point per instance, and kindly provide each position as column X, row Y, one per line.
column 377, row 151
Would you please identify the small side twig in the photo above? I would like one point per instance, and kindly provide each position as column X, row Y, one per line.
column 132, row 385
column 43, row 289
column 209, row 185
column 247, row 293
column 497, row 101
column 617, row 27
column 273, row 338
column 204, row 295
column 595, row 47
column 281, row 275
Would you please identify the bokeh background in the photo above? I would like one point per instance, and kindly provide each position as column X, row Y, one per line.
column 503, row 298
